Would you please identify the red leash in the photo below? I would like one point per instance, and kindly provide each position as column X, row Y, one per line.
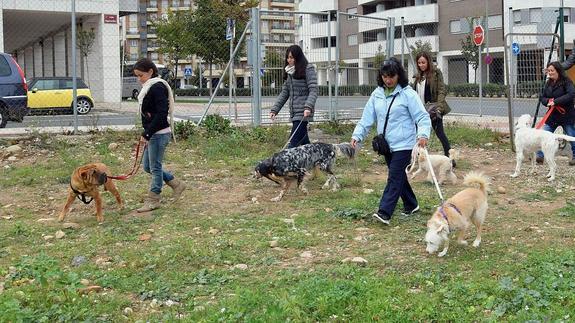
column 136, row 165
column 548, row 114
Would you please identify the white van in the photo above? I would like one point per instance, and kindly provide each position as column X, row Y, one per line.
column 130, row 85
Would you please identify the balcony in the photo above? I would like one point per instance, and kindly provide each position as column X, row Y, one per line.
column 413, row 15
column 368, row 50
column 152, row 9
column 282, row 3
column 274, row 15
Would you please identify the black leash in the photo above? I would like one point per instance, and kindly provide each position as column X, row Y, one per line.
column 83, row 195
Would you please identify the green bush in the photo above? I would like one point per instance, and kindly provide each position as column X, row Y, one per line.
column 215, row 125
column 184, row 129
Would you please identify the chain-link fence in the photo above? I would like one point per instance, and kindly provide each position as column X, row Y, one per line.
column 191, row 44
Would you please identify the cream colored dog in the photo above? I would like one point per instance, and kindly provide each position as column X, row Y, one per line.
column 457, row 213
column 528, row 140
column 442, row 166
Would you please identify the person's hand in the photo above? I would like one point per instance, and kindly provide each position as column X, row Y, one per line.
column 422, row 142
column 551, row 102
column 353, row 143
column 306, row 113
column 272, row 116
column 143, row 140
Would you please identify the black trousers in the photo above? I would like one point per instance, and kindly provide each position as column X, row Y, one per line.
column 437, row 125
column 397, row 185
column 300, row 137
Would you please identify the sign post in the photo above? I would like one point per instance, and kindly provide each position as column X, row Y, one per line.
column 478, row 37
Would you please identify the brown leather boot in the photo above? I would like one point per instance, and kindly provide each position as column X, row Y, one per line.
column 151, row 202
column 178, row 187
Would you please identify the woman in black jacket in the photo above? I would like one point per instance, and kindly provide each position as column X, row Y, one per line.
column 156, row 103
column 558, row 94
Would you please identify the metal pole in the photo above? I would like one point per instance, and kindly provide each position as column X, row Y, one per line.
column 391, row 38
column 509, row 75
column 226, row 69
column 487, row 79
column 480, row 79
column 561, row 34
column 230, row 75
column 74, row 75
column 337, row 41
column 201, row 74
column 328, row 71
column 402, row 44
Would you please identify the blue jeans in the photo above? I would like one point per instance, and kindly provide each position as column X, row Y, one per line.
column 152, row 159
column 300, row 137
column 569, row 130
column 397, row 185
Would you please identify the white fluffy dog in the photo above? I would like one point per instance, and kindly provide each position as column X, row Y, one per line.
column 528, row 140
column 442, row 166
column 457, row 214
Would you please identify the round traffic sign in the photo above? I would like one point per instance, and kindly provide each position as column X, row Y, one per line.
column 478, row 35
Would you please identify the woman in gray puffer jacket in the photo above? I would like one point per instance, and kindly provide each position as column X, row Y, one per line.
column 300, row 86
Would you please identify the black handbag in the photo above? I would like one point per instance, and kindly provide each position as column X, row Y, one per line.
column 379, row 143
column 434, row 113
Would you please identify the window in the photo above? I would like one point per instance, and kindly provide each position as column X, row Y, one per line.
column 154, row 56
column 46, row 84
column 495, row 22
column 165, row 4
column 352, row 11
column 352, row 40
column 534, row 15
column 4, row 67
column 517, row 16
column 133, row 43
column 455, row 26
column 133, row 56
column 566, row 14
column 152, row 4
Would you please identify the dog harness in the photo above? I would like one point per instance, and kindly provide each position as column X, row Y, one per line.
column 82, row 194
column 444, row 215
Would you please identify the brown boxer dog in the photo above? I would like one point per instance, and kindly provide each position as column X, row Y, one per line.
column 85, row 184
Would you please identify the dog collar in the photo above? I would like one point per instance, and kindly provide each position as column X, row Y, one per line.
column 444, row 215
column 82, row 194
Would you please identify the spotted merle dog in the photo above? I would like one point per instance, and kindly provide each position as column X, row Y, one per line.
column 293, row 164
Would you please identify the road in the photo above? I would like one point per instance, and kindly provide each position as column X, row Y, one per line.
column 191, row 108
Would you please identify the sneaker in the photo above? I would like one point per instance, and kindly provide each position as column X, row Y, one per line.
column 572, row 162
column 408, row 213
column 539, row 160
column 380, row 218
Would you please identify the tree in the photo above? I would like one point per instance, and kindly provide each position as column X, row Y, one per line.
column 208, row 29
column 469, row 49
column 85, row 42
column 420, row 46
column 174, row 38
column 379, row 58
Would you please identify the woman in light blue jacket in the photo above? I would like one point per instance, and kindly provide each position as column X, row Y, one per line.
column 408, row 124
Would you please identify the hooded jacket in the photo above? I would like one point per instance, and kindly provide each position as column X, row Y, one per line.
column 407, row 122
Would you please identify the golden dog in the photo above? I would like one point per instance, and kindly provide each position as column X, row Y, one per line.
column 457, row 214
column 84, row 183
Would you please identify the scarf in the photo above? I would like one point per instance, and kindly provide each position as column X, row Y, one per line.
column 146, row 87
column 290, row 69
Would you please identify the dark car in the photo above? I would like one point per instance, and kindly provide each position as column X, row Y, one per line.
column 13, row 91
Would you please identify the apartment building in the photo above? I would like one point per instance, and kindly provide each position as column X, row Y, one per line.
column 139, row 35
column 39, row 35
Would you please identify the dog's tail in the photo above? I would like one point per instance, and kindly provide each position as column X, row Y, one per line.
column 344, row 149
column 477, row 178
column 453, row 154
column 564, row 137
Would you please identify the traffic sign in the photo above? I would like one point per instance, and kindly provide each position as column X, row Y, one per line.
column 188, row 71
column 230, row 28
column 488, row 59
column 478, row 35
column 515, row 48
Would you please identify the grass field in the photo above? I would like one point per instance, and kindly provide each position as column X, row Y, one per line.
column 226, row 253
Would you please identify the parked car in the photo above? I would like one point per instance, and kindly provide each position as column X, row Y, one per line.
column 57, row 93
column 13, row 88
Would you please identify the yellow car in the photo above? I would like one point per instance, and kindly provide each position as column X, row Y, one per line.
column 56, row 93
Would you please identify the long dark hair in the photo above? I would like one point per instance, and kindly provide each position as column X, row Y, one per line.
column 300, row 62
column 428, row 74
column 392, row 67
column 145, row 65
column 562, row 76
